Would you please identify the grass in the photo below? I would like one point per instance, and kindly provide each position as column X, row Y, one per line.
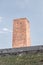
column 22, row 59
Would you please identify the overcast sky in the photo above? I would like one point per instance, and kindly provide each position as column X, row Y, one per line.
column 11, row 9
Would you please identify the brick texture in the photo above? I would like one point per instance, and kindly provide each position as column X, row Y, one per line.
column 21, row 33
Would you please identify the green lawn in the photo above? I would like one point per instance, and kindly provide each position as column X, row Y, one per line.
column 22, row 59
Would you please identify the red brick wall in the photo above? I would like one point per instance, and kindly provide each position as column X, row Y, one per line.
column 20, row 33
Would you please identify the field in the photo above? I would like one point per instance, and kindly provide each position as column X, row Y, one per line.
column 22, row 59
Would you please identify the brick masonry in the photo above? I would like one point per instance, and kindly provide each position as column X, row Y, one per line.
column 21, row 33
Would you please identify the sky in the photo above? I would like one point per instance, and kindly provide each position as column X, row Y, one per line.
column 12, row 9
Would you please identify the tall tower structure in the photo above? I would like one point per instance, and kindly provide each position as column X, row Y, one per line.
column 21, row 33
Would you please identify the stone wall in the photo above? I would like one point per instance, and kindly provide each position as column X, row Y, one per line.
column 15, row 51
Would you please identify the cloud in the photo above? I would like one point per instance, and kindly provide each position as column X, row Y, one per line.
column 1, row 19
column 5, row 30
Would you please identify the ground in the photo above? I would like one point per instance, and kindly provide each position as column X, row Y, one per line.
column 22, row 59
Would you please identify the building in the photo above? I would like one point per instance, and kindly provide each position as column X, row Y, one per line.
column 21, row 33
